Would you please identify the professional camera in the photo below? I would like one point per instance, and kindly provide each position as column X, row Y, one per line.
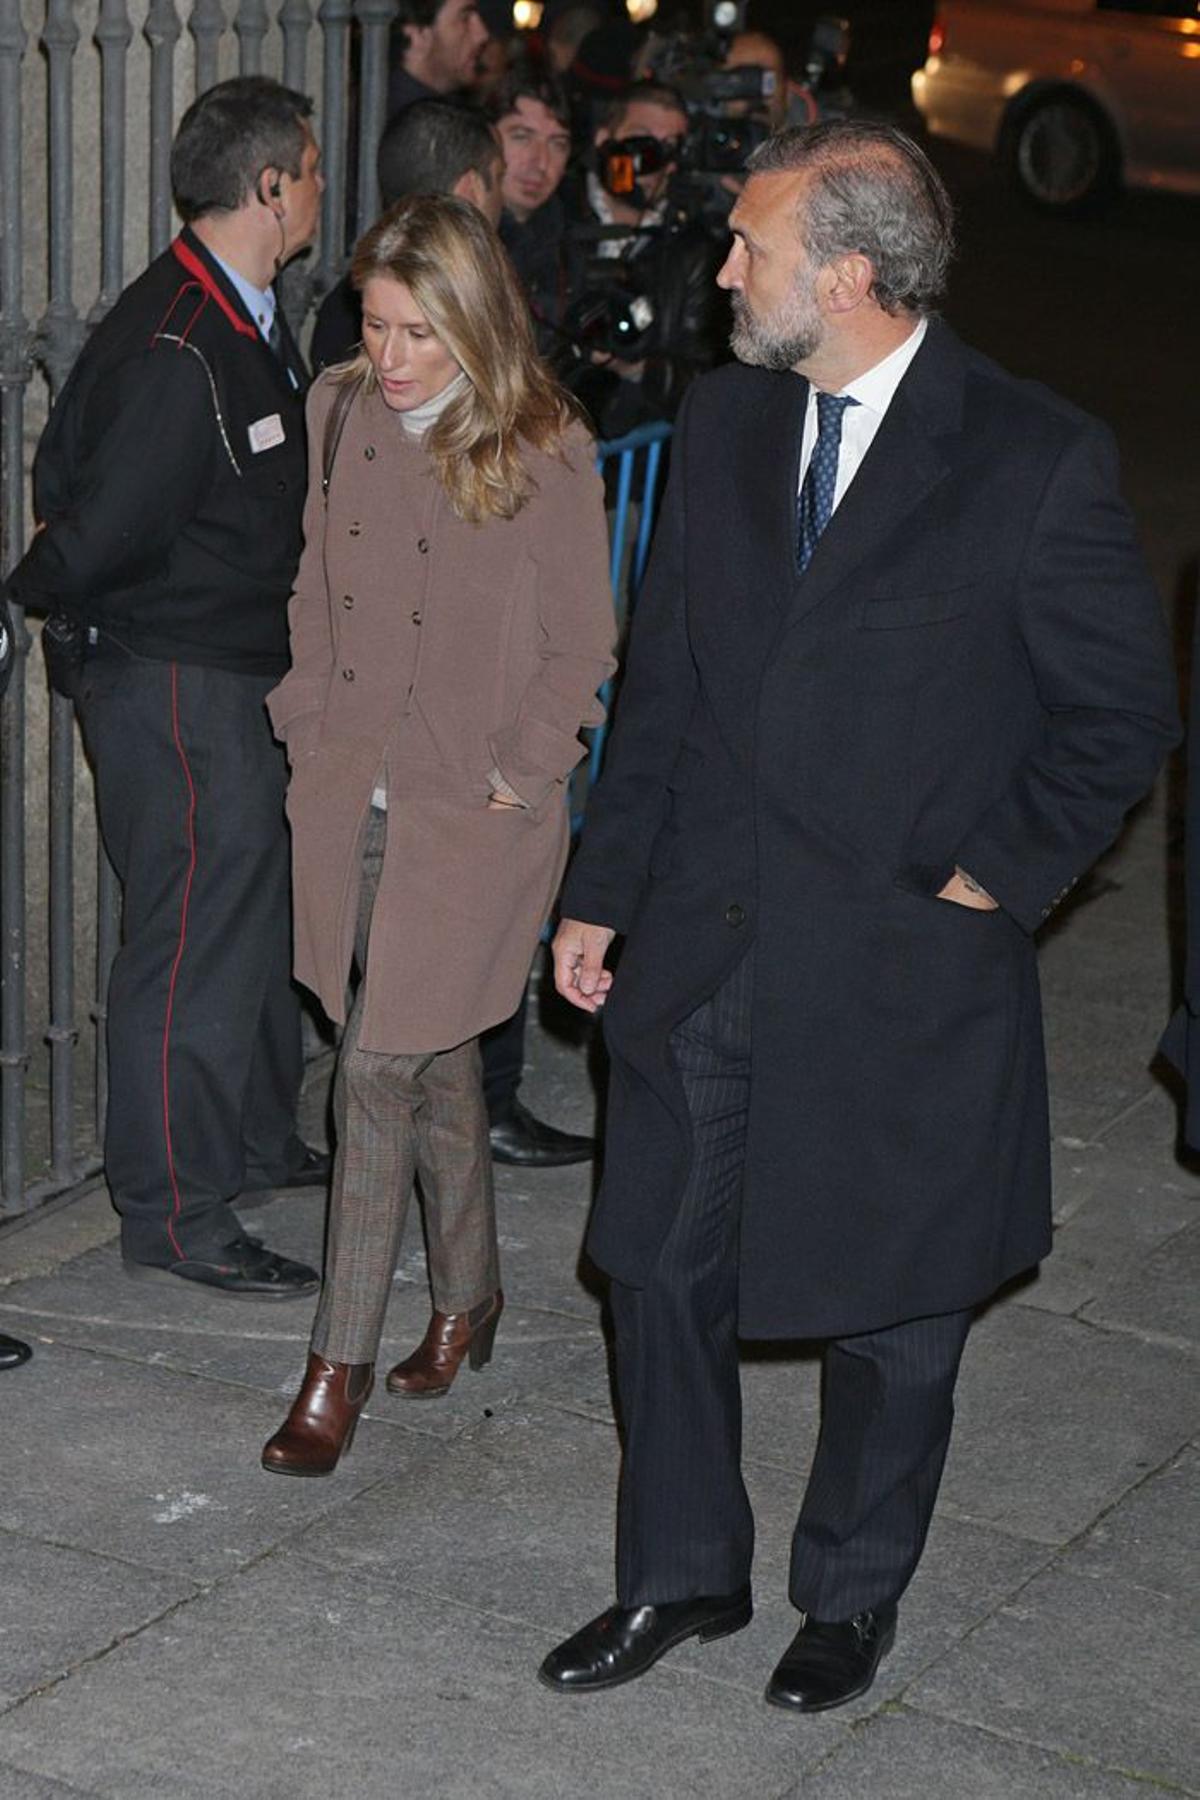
column 726, row 108
column 611, row 313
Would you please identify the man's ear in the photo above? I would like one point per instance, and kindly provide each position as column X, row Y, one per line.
column 469, row 186
column 270, row 189
column 848, row 282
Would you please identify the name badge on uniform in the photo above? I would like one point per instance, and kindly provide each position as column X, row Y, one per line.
column 266, row 433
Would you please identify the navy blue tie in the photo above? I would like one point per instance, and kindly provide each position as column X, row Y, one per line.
column 820, row 480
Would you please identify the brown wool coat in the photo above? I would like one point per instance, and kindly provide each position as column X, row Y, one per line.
column 427, row 653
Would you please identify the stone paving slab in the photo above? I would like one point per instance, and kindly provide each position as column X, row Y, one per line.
column 90, row 1303
column 296, row 1683
column 156, row 1468
column 1089, row 1049
column 61, row 1606
column 1111, row 1214
column 1080, row 1663
column 1152, row 1539
column 19, row 1784
column 1160, row 1297
column 1057, row 1419
column 905, row 1755
column 518, row 1521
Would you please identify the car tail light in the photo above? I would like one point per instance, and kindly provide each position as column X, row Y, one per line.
column 937, row 36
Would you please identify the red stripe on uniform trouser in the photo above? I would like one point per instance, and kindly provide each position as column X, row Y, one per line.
column 176, row 1204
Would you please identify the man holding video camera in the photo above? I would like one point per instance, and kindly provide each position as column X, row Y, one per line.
column 649, row 316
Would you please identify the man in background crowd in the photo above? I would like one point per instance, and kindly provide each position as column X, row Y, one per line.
column 435, row 45
column 432, row 147
column 533, row 124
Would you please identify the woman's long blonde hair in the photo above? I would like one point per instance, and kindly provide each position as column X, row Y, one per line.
column 451, row 261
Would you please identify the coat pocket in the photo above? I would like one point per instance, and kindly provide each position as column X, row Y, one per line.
column 892, row 612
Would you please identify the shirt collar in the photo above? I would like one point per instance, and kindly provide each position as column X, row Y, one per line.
column 259, row 302
column 877, row 387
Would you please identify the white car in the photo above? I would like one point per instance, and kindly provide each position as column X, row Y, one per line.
column 1076, row 96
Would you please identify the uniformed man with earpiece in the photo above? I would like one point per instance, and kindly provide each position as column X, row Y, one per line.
column 169, row 486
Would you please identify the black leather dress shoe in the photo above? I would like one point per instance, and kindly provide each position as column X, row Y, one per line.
column 13, row 1352
column 528, row 1143
column 625, row 1641
column 244, row 1271
column 313, row 1170
column 827, row 1664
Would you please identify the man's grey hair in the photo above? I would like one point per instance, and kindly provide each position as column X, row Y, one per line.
column 874, row 192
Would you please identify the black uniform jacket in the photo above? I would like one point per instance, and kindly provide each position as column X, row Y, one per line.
column 972, row 671
column 171, row 476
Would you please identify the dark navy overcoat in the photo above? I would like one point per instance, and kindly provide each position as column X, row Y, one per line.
column 972, row 671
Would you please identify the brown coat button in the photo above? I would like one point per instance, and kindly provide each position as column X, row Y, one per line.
column 416, row 618
column 347, row 674
column 423, row 545
column 348, row 601
column 355, row 530
column 369, row 453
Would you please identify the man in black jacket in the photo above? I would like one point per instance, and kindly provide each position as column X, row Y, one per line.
column 169, row 486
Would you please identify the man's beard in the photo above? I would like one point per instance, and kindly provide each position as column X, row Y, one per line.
column 785, row 338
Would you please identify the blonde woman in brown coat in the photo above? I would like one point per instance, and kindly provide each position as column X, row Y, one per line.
column 450, row 626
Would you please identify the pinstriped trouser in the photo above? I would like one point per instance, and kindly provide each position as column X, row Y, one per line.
column 398, row 1117
column 684, row 1521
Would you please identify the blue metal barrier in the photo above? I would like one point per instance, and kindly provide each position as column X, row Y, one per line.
column 647, row 443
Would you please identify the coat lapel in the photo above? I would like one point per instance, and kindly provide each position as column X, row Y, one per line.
column 907, row 459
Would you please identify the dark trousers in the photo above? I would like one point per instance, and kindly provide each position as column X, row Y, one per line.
column 684, row 1521
column 502, row 1048
column 400, row 1117
column 204, row 1043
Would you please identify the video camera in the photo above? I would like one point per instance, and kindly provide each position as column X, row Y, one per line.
column 718, row 140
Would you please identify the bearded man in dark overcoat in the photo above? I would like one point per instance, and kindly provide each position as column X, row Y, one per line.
column 897, row 674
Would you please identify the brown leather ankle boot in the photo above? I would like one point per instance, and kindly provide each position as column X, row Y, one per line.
column 320, row 1427
column 431, row 1368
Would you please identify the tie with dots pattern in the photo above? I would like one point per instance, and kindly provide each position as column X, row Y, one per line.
column 820, row 480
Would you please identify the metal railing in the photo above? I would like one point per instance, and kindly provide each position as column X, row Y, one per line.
column 89, row 100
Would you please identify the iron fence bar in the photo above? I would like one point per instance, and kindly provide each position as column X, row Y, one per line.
column 16, row 367
column 163, row 30
column 299, row 280
column 295, row 23
column 375, row 23
column 114, row 34
column 207, row 24
column 335, row 16
column 250, row 24
column 59, row 337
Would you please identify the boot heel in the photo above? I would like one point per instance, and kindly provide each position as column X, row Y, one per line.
column 479, row 1351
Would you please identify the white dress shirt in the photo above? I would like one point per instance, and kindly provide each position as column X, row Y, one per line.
column 874, row 392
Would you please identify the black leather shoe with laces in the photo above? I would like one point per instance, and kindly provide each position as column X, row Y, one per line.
column 827, row 1664
column 244, row 1270
column 625, row 1641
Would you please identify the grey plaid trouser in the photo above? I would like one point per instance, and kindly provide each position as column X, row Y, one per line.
column 400, row 1117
